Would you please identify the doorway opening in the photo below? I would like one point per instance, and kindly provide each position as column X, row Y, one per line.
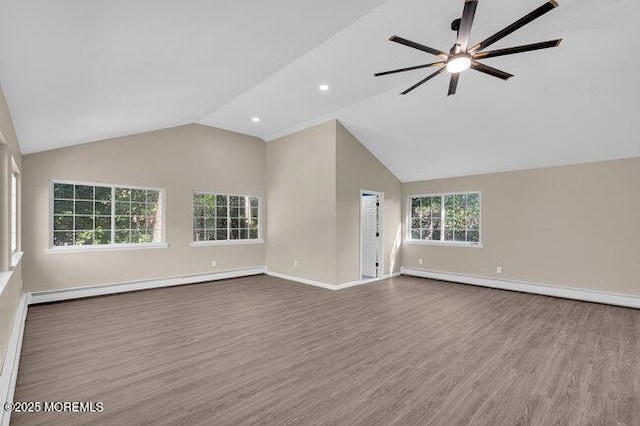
column 371, row 254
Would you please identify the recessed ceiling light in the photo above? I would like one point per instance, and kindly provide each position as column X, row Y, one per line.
column 324, row 87
column 256, row 119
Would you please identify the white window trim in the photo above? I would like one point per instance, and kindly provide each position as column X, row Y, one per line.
column 466, row 244
column 229, row 242
column 225, row 242
column 107, row 247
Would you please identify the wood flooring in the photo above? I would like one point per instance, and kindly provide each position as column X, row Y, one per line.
column 262, row 350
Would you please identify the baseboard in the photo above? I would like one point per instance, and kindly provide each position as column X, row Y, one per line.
column 628, row 301
column 367, row 281
column 12, row 360
column 329, row 286
column 301, row 280
column 80, row 292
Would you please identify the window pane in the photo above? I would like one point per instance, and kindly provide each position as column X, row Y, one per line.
column 103, row 193
column 137, row 209
column 84, row 192
column 123, row 209
column 460, row 235
column 198, row 236
column 104, row 222
column 83, row 238
column 415, row 234
column 473, row 236
column 84, row 223
column 62, row 238
column 427, row 234
column 62, row 190
column 436, row 235
column 123, row 237
column 61, row 223
column 235, row 234
column 103, row 208
column 153, row 196
column 244, row 234
column 221, row 200
column 103, row 236
column 123, row 222
column 436, row 206
column 221, row 234
column 63, row 207
column 253, row 202
column 448, row 235
column 123, row 194
column 84, row 207
column 210, row 235
column 139, row 195
column 253, row 234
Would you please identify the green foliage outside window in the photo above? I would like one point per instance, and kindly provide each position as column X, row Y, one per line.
column 101, row 215
column 449, row 217
column 218, row 217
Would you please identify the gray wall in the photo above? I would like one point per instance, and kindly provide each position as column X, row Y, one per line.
column 11, row 293
column 301, row 175
column 572, row 226
column 181, row 160
column 358, row 169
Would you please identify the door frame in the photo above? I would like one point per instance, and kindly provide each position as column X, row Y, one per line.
column 380, row 228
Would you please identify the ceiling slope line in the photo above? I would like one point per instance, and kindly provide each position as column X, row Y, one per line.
column 293, row 62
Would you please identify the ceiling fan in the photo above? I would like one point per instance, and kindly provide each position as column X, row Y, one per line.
column 461, row 57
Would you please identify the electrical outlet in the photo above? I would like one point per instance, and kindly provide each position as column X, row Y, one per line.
column 214, row 263
column 295, row 263
column 420, row 261
column 499, row 269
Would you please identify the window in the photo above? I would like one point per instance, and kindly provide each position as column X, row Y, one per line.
column 445, row 218
column 225, row 218
column 14, row 212
column 105, row 215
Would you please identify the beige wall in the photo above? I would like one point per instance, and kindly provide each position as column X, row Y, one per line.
column 358, row 169
column 12, row 291
column 573, row 226
column 301, row 215
column 181, row 160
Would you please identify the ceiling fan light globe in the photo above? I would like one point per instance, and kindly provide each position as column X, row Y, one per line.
column 458, row 64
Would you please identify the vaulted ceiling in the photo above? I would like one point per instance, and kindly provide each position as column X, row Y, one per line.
column 78, row 71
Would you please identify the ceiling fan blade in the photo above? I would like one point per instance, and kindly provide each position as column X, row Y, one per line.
column 490, row 70
column 453, row 84
column 421, row 82
column 517, row 49
column 418, row 46
column 466, row 22
column 417, row 67
column 548, row 6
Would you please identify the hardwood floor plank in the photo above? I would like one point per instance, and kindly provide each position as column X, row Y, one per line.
column 261, row 350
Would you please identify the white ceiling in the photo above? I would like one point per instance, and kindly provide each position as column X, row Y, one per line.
column 77, row 71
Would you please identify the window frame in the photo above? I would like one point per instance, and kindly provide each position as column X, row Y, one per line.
column 228, row 242
column 441, row 242
column 15, row 188
column 112, row 246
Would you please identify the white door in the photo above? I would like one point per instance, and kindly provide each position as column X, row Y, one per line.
column 370, row 235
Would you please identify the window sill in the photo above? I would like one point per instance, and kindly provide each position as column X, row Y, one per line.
column 112, row 247
column 225, row 243
column 16, row 257
column 445, row 244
